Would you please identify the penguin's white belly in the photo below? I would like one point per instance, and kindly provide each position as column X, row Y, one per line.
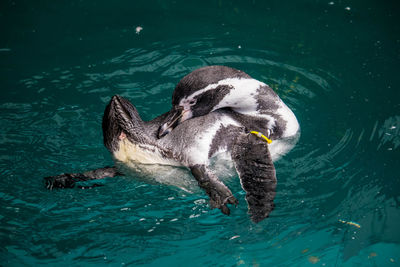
column 292, row 125
column 148, row 160
column 199, row 152
column 147, row 163
column 129, row 152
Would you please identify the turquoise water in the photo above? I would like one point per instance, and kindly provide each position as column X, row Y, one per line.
column 335, row 63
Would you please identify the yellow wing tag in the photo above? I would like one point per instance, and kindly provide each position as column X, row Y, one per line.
column 269, row 141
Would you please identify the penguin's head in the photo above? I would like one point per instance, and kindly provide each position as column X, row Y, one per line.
column 121, row 120
column 187, row 104
column 199, row 93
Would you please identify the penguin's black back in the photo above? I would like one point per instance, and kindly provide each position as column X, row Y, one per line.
column 203, row 77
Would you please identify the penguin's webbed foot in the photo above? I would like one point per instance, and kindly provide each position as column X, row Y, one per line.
column 220, row 195
column 64, row 180
column 68, row 180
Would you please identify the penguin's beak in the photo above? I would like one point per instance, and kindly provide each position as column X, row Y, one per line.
column 121, row 120
column 173, row 119
column 121, row 107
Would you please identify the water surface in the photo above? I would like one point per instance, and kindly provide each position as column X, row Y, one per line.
column 334, row 63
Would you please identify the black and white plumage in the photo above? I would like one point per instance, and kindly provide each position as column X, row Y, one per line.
column 195, row 141
column 218, row 87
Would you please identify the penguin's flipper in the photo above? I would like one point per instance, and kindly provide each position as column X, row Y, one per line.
column 219, row 194
column 68, row 180
column 254, row 165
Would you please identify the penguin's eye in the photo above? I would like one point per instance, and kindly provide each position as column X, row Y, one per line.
column 192, row 102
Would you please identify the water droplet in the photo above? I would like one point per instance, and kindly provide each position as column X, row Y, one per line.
column 138, row 29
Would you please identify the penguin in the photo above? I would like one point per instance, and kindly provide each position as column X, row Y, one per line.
column 213, row 88
column 191, row 144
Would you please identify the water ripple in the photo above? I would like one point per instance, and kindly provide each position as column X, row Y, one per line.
column 319, row 182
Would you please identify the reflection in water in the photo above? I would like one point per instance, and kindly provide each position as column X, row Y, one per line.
column 323, row 180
